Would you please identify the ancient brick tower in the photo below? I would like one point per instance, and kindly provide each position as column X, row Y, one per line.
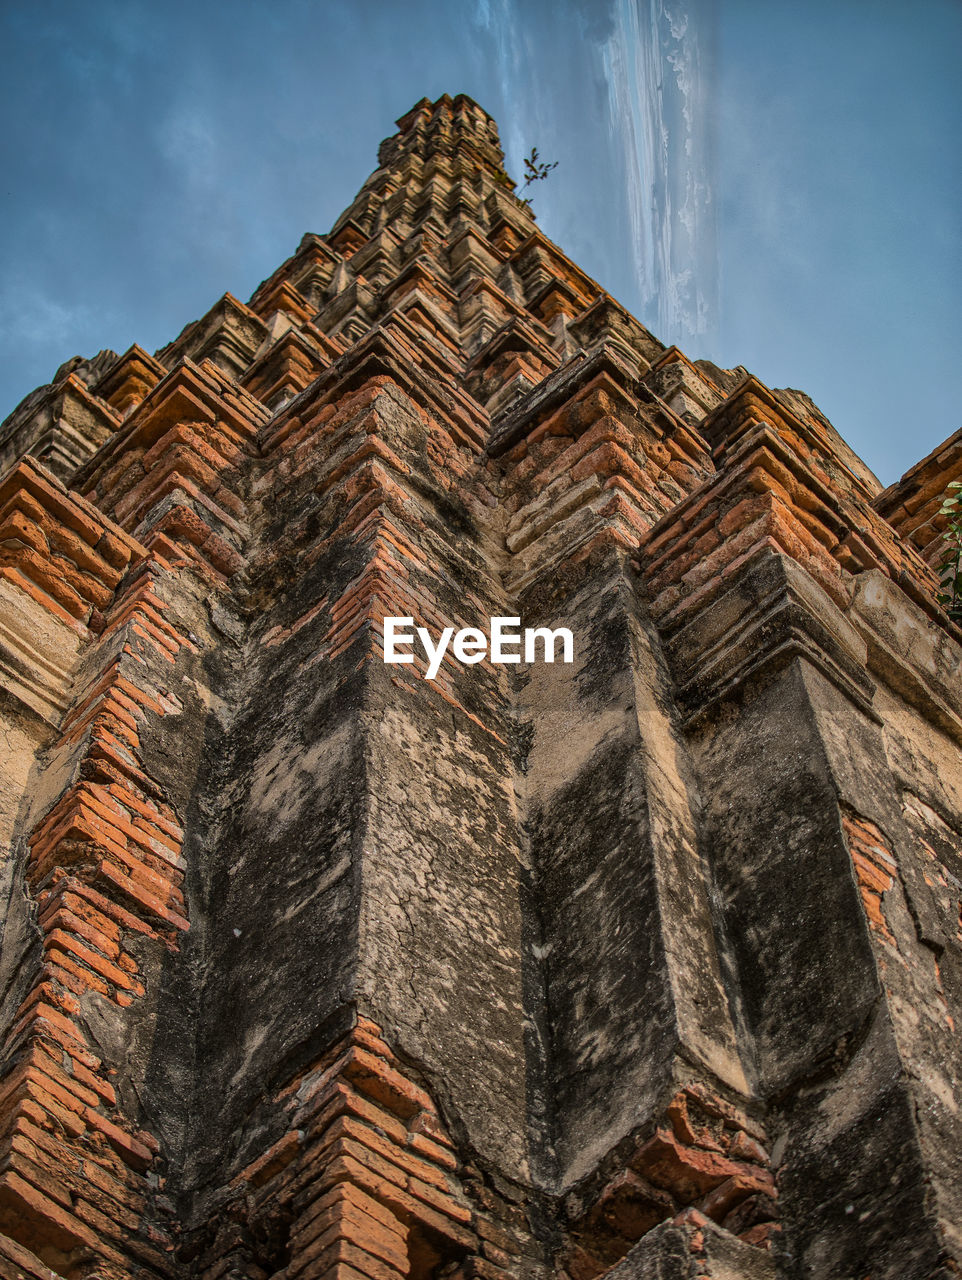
column 647, row 964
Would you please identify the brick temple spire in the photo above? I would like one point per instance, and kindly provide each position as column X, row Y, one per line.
column 644, row 964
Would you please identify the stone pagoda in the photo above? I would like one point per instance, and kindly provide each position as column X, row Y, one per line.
column 645, row 965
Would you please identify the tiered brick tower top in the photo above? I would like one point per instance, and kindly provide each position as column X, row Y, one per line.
column 648, row 964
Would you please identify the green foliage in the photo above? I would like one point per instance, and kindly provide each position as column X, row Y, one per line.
column 535, row 170
column 950, row 567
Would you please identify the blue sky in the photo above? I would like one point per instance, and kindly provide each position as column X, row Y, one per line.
column 768, row 184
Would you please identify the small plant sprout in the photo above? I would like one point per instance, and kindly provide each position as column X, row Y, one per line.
column 950, row 566
column 535, row 170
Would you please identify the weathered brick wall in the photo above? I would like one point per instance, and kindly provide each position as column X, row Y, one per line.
column 646, row 965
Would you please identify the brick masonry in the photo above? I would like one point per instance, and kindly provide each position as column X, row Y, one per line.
column 646, row 966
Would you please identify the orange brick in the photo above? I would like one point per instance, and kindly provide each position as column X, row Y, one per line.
column 344, row 1196
column 133, row 1152
column 341, row 1251
column 40, row 1056
column 344, row 1222
column 345, row 1100
column 432, row 1151
column 272, row 1161
column 60, row 968
column 21, row 1161
column 59, row 940
column 19, row 1263
column 427, row 1122
column 344, row 1167
column 36, row 1219
column 98, row 931
column 42, row 1017
column 385, row 1085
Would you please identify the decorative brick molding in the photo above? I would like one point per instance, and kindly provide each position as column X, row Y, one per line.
column 766, row 495
column 911, row 506
column 706, row 1157
column 173, row 477
column 105, row 870
column 57, row 547
column 126, row 383
column 366, row 1181
column 61, row 425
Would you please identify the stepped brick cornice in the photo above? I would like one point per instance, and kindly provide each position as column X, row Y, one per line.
column 127, row 380
column 644, row 964
column 912, row 505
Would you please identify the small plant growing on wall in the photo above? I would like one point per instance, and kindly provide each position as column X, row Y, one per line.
column 535, row 170
column 950, row 566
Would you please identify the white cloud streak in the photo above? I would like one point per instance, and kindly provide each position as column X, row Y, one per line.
column 657, row 66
